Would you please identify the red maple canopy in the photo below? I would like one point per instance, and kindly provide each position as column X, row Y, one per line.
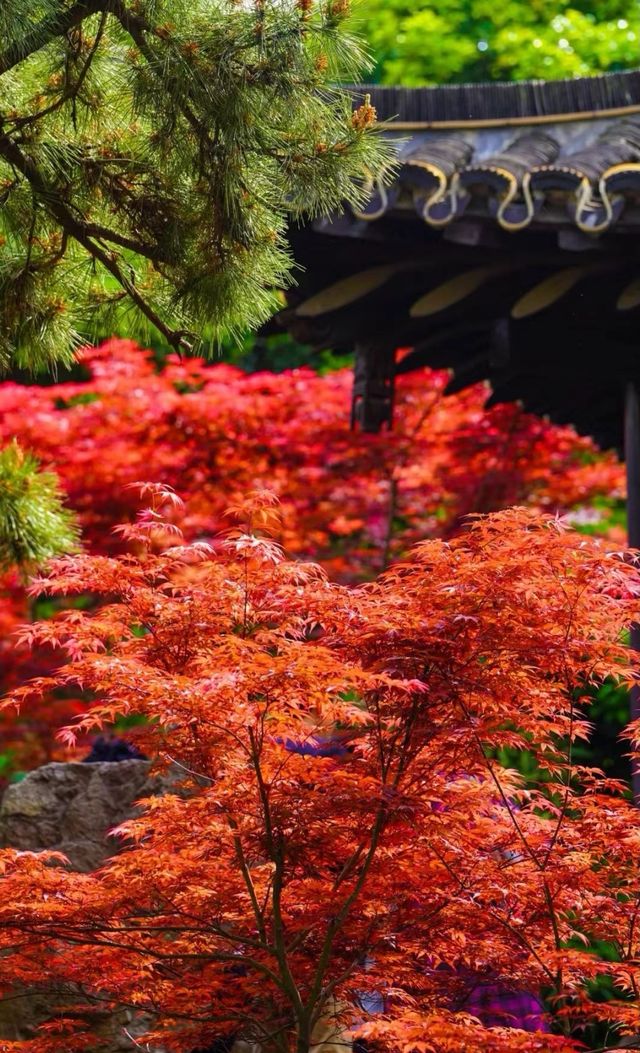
column 293, row 880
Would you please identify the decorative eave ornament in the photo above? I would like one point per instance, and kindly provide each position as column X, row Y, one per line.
column 556, row 155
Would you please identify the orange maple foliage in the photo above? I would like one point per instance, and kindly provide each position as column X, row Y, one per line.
column 29, row 742
column 345, row 830
column 352, row 502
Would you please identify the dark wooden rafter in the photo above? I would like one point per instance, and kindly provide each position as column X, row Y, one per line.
column 556, row 311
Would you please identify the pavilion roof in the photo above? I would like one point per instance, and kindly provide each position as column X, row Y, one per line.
column 505, row 249
column 559, row 152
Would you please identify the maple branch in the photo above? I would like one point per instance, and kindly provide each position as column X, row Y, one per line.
column 339, row 919
column 67, row 935
column 248, row 880
column 333, row 985
column 337, row 922
column 494, row 778
column 497, row 917
column 632, row 925
column 146, row 1007
column 351, row 862
column 532, row 855
column 632, row 1042
column 134, row 1041
column 374, row 698
column 217, row 930
column 391, row 514
column 572, row 610
column 275, row 852
column 197, row 776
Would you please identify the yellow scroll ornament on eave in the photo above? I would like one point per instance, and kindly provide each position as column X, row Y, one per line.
column 348, row 290
column 453, row 291
column 549, row 291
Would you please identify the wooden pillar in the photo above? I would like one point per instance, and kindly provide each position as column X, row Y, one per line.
column 632, row 461
column 373, row 387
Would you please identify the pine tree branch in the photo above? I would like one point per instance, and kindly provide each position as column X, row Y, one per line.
column 147, row 249
column 82, row 233
column 209, row 252
column 47, row 30
column 72, row 225
column 71, row 93
column 136, row 27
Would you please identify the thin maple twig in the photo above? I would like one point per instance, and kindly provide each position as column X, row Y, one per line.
column 632, row 926
column 275, row 853
column 205, row 926
column 189, row 771
column 248, row 880
column 519, row 936
column 391, row 514
column 342, row 914
column 548, row 898
column 241, row 1017
column 503, row 797
column 65, row 936
column 567, row 793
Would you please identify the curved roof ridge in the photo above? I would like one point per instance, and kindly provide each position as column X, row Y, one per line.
column 508, row 102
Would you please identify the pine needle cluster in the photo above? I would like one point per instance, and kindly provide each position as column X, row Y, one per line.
column 152, row 154
column 34, row 524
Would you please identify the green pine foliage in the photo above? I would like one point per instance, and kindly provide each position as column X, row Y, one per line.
column 152, row 153
column 34, row 524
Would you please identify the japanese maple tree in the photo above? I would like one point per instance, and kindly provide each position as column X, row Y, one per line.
column 350, row 501
column 344, row 829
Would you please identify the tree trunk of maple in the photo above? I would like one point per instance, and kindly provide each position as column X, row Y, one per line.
column 632, row 460
column 303, row 1044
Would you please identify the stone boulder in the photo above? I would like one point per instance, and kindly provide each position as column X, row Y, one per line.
column 72, row 807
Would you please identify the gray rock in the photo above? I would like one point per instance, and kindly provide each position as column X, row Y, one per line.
column 72, row 807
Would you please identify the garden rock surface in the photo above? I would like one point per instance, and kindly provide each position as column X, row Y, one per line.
column 71, row 808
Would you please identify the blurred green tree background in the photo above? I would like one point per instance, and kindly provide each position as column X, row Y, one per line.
column 478, row 40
